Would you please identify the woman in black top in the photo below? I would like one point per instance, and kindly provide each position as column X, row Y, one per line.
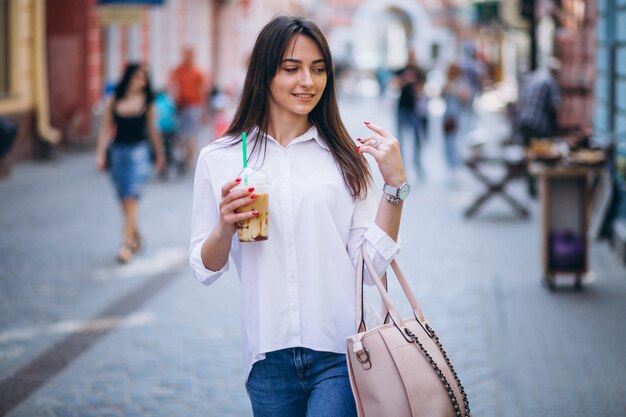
column 410, row 81
column 129, row 119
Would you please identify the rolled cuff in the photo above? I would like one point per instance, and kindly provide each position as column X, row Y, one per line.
column 202, row 274
column 381, row 248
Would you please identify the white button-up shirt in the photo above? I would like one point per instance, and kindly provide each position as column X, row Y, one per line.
column 297, row 287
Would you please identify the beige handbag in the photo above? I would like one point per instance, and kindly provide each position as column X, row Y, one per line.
column 400, row 369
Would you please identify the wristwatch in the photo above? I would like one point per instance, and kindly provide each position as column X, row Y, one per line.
column 396, row 194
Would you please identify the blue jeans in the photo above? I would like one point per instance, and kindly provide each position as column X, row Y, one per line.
column 300, row 382
column 451, row 150
column 409, row 120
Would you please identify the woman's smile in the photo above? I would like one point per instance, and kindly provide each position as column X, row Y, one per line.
column 304, row 96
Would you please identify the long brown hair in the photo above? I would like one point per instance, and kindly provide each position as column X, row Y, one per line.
column 122, row 87
column 252, row 110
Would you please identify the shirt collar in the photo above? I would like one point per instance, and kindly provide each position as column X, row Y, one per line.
column 311, row 134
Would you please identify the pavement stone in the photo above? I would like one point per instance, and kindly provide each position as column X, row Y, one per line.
column 519, row 349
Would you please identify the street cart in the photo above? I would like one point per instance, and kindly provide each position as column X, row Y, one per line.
column 565, row 210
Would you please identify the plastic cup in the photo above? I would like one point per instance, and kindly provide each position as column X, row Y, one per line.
column 254, row 229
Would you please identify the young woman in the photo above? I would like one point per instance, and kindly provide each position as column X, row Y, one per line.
column 297, row 287
column 129, row 119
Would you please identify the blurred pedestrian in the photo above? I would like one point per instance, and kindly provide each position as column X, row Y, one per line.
column 127, row 126
column 537, row 107
column 298, row 299
column 410, row 82
column 189, row 87
column 475, row 74
column 167, row 122
column 220, row 104
column 458, row 97
column 474, row 70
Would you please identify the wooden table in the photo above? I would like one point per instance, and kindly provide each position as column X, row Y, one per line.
column 515, row 167
column 565, row 203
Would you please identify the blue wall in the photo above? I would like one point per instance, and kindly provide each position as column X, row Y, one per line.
column 610, row 112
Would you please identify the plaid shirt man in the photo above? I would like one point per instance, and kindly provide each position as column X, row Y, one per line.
column 539, row 99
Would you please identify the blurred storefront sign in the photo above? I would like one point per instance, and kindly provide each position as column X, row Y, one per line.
column 131, row 2
column 120, row 15
column 487, row 11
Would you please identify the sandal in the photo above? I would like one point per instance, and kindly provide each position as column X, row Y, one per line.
column 137, row 243
column 125, row 254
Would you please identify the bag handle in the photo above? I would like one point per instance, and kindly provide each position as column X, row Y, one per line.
column 360, row 315
column 365, row 260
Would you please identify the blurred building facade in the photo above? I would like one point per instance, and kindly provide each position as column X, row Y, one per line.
column 589, row 37
column 23, row 78
column 89, row 44
column 374, row 34
column 565, row 29
column 63, row 56
column 59, row 58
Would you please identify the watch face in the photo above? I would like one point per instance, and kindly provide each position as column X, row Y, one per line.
column 403, row 192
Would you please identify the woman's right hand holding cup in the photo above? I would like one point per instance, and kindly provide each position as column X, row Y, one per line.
column 232, row 199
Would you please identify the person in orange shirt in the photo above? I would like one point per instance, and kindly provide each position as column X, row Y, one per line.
column 188, row 85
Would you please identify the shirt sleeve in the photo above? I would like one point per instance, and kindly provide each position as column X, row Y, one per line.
column 555, row 94
column 204, row 219
column 364, row 231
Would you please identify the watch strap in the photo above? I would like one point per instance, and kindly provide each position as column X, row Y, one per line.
column 391, row 190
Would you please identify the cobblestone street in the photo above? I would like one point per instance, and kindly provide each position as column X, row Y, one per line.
column 146, row 339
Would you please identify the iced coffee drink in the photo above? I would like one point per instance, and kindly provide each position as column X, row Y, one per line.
column 256, row 228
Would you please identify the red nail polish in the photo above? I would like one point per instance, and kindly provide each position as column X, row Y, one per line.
column 366, row 123
column 251, row 189
column 358, row 149
column 255, row 212
column 253, row 196
column 238, row 180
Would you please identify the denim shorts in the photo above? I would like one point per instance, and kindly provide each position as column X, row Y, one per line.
column 300, row 382
column 189, row 121
column 130, row 168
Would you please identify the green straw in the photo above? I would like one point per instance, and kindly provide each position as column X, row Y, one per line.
column 244, row 150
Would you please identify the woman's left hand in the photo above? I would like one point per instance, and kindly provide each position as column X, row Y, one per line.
column 159, row 163
column 385, row 149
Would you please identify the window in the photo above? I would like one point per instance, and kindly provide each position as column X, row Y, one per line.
column 4, row 48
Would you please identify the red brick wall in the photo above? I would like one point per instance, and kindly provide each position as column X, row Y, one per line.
column 95, row 56
column 575, row 46
column 66, row 56
column 75, row 54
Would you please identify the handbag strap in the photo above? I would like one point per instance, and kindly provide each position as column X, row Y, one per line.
column 360, row 316
column 360, row 319
column 365, row 261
